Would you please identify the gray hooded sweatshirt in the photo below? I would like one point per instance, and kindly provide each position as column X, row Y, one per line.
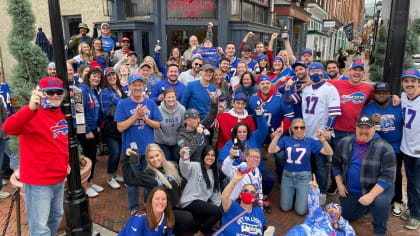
column 166, row 134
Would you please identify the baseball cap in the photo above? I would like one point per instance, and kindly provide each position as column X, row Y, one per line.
column 172, row 58
column 191, row 113
column 246, row 48
column 207, row 67
column 94, row 64
column 50, row 83
column 240, row 96
column 51, row 64
column 299, row 63
column 411, row 73
column 264, row 78
column 306, row 50
column 145, row 64
column 134, row 77
column 365, row 120
column 104, row 24
column 125, row 39
column 357, row 64
column 109, row 70
column 316, row 65
column 278, row 58
column 132, row 53
column 261, row 56
column 382, row 86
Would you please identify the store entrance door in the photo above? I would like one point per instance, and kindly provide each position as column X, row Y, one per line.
column 178, row 36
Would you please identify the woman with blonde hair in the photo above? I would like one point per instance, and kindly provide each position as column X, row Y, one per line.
column 159, row 172
column 124, row 73
column 155, row 76
column 84, row 57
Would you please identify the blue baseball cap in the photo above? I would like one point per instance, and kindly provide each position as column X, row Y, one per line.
column 278, row 58
column 357, row 64
column 240, row 96
column 299, row 63
column 316, row 65
column 264, row 78
column 306, row 50
column 261, row 56
column 411, row 73
column 134, row 77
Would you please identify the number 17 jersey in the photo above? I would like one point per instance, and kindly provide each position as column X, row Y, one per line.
column 410, row 144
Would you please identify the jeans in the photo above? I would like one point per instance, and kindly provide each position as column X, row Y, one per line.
column 207, row 213
column 338, row 136
column 291, row 183
column 132, row 191
column 380, row 209
column 267, row 181
column 12, row 156
column 44, row 208
column 398, row 179
column 3, row 143
column 114, row 145
column 280, row 159
column 171, row 152
column 412, row 167
column 319, row 165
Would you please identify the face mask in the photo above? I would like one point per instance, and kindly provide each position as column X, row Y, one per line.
column 247, row 198
column 316, row 78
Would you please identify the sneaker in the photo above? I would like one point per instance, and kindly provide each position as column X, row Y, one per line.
column 332, row 190
column 412, row 224
column 405, row 215
column 269, row 231
column 113, row 183
column 322, row 199
column 133, row 212
column 97, row 188
column 119, row 178
column 267, row 207
column 397, row 209
column 3, row 182
column 91, row 192
column 4, row 194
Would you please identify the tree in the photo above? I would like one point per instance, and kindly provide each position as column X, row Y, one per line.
column 31, row 60
column 411, row 48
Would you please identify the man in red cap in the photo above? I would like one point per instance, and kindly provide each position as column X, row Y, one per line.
column 123, row 52
column 44, row 155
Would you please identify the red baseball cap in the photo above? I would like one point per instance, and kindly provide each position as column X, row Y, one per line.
column 50, row 83
column 125, row 39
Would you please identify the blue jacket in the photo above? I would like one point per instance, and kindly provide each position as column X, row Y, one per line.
column 91, row 107
column 256, row 140
column 138, row 225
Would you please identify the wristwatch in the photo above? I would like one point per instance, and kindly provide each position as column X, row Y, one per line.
column 328, row 128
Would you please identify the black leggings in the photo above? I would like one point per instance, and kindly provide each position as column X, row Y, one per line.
column 207, row 213
column 184, row 222
column 89, row 149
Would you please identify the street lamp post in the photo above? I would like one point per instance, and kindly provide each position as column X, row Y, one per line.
column 375, row 31
column 76, row 205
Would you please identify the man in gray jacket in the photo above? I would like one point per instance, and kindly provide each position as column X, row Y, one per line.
column 195, row 134
column 193, row 73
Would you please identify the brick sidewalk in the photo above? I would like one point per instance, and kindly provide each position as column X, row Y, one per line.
column 110, row 210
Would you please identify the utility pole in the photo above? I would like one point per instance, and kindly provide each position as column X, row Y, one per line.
column 76, row 205
column 397, row 34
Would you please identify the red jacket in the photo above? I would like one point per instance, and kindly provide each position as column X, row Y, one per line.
column 44, row 150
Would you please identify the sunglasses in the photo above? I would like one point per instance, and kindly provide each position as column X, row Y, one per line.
column 52, row 92
column 198, row 64
column 299, row 127
column 245, row 190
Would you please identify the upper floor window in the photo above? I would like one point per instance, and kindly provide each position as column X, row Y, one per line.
column 138, row 8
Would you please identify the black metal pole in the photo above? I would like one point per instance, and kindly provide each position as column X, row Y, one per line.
column 18, row 228
column 375, row 36
column 394, row 58
column 76, row 205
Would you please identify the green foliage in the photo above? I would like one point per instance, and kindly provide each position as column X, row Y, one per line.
column 411, row 47
column 31, row 60
column 416, row 26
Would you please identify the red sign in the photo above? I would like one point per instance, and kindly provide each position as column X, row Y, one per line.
column 197, row 9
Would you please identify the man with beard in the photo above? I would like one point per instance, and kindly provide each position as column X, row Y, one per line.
column 171, row 81
column 334, row 72
column 123, row 52
column 75, row 40
column 51, row 71
column 224, row 64
column 364, row 167
column 192, row 74
column 410, row 145
column 388, row 121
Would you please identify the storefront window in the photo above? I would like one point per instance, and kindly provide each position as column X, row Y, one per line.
column 260, row 15
column 247, row 12
column 138, row 8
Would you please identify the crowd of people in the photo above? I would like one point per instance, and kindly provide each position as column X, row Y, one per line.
column 191, row 132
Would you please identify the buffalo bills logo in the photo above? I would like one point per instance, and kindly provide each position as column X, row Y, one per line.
column 357, row 97
column 60, row 127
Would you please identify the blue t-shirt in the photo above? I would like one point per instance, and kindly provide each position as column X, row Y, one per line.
column 7, row 99
column 251, row 65
column 275, row 109
column 137, row 225
column 139, row 132
column 391, row 122
column 196, row 96
column 157, row 90
column 248, row 224
column 107, row 43
column 298, row 152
